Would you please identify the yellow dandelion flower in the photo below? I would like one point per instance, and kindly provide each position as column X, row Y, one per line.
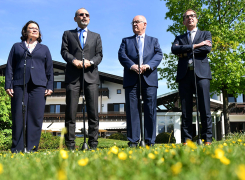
column 151, row 156
column 220, row 146
column 62, row 175
column 83, row 162
column 224, row 160
column 202, row 140
column 114, row 149
column 147, row 147
column 166, row 150
column 130, row 152
column 191, row 144
column 155, row 152
column 12, row 156
column 162, row 159
column 176, row 168
column 63, row 154
column 130, row 157
column 225, row 144
column 1, row 168
column 122, row 155
column 239, row 140
column 219, row 153
column 20, row 154
column 233, row 142
column 240, row 172
column 38, row 160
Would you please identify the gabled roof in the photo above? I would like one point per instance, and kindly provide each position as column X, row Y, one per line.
column 62, row 66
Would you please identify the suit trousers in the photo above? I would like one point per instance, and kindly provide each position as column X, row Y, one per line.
column 186, row 91
column 149, row 96
column 72, row 98
column 35, row 105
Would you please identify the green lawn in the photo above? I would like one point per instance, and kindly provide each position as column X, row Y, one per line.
column 224, row 160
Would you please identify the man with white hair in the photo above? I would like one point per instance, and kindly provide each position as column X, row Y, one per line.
column 146, row 50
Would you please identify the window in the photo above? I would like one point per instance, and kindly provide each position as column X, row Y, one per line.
column 54, row 108
column 57, row 85
column 119, row 91
column 116, row 107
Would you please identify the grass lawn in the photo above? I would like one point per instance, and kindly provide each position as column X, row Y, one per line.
column 113, row 160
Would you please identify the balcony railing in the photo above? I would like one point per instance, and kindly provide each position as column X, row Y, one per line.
column 237, row 108
column 62, row 92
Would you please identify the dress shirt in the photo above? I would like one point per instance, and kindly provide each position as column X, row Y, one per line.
column 84, row 34
column 193, row 34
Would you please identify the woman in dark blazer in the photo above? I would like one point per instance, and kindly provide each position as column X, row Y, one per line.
column 38, row 85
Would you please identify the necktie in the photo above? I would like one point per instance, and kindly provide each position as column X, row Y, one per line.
column 81, row 37
column 190, row 37
column 140, row 48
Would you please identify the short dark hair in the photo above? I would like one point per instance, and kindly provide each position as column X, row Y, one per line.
column 187, row 11
column 24, row 36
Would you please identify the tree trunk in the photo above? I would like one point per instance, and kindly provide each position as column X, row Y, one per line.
column 225, row 112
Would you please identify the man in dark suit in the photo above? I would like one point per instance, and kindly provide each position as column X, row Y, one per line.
column 148, row 49
column 74, row 43
column 182, row 46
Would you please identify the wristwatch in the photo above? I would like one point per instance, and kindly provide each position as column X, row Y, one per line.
column 91, row 63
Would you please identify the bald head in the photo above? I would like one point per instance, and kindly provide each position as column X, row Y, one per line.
column 139, row 24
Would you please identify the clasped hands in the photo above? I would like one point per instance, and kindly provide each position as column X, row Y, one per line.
column 143, row 68
column 79, row 63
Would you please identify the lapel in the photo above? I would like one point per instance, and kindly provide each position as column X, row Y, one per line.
column 38, row 46
column 135, row 42
column 186, row 38
column 198, row 33
column 23, row 45
column 74, row 32
column 89, row 38
column 146, row 44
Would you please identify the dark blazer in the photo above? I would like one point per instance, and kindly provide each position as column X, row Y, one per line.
column 182, row 48
column 71, row 49
column 128, row 56
column 39, row 66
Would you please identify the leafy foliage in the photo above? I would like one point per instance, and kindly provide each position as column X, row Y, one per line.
column 118, row 136
column 5, row 109
column 48, row 141
column 165, row 137
column 226, row 22
column 5, row 141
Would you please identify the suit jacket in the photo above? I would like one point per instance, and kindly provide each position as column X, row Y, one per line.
column 128, row 56
column 39, row 66
column 182, row 47
column 71, row 49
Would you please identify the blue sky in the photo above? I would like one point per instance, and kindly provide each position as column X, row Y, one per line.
column 110, row 18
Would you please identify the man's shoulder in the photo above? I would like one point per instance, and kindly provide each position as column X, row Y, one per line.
column 93, row 33
column 70, row 31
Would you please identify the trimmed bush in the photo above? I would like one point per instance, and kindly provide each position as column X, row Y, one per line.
column 118, row 136
column 48, row 141
column 165, row 137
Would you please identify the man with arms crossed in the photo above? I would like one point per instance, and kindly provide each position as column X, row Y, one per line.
column 182, row 46
column 148, row 49
column 74, row 43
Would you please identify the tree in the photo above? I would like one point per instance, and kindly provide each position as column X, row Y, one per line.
column 225, row 19
column 5, row 110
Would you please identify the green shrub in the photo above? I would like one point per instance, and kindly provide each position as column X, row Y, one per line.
column 5, row 140
column 165, row 137
column 48, row 141
column 118, row 136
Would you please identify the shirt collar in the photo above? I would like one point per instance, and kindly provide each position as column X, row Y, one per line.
column 194, row 30
column 142, row 35
column 85, row 30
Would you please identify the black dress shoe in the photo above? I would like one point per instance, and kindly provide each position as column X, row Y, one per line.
column 132, row 145
column 71, row 148
column 92, row 147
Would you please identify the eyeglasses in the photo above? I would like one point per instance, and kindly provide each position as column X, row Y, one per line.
column 32, row 28
column 136, row 22
column 82, row 14
column 190, row 16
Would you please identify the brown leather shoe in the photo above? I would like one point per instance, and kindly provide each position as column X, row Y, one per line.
column 207, row 143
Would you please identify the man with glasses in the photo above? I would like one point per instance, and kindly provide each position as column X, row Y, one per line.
column 183, row 46
column 74, row 44
column 147, row 49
